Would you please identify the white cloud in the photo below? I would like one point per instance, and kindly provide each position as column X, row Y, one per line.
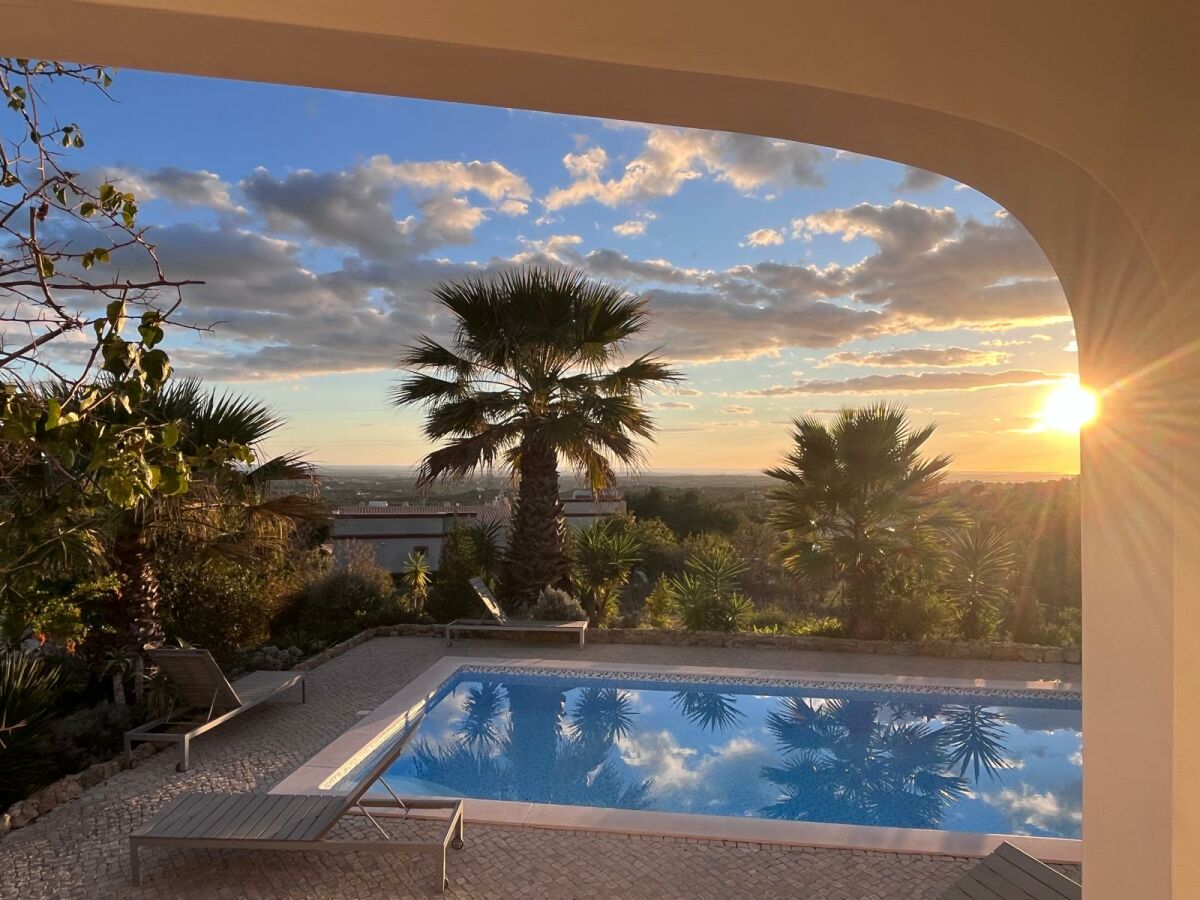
column 182, row 187
column 917, row 180
column 737, row 410
column 763, row 237
column 907, row 384
column 936, row 357
column 632, row 228
column 674, row 404
column 673, row 156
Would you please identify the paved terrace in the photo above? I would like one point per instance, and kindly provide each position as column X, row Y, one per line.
column 80, row 849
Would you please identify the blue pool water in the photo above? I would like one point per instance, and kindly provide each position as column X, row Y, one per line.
column 820, row 754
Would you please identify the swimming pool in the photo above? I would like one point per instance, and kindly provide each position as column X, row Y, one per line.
column 899, row 756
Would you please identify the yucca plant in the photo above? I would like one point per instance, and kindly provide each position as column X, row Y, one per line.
column 708, row 594
column 980, row 566
column 415, row 575
column 28, row 688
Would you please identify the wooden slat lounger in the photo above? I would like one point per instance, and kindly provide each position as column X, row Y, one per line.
column 500, row 622
column 295, row 822
column 209, row 699
column 1010, row 874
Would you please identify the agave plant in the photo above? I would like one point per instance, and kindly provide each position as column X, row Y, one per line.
column 28, row 688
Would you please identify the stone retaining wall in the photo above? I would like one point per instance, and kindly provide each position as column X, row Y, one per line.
column 675, row 638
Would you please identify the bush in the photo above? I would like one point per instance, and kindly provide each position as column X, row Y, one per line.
column 275, row 659
column 217, row 604
column 770, row 619
column 28, row 690
column 451, row 595
column 334, row 602
column 825, row 626
column 90, row 736
column 555, row 605
column 660, row 609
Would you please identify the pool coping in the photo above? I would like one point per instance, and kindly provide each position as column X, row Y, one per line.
column 321, row 773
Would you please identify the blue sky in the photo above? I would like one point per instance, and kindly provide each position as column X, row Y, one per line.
column 780, row 275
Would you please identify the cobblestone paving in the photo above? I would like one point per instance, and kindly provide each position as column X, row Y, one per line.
column 80, row 849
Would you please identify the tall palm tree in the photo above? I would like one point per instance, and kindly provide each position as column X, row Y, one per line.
column 535, row 373
column 855, row 502
column 980, row 567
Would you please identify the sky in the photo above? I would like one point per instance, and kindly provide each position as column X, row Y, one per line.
column 783, row 279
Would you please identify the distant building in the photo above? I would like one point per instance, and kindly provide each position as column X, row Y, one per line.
column 393, row 532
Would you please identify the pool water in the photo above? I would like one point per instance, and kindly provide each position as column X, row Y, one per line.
column 911, row 760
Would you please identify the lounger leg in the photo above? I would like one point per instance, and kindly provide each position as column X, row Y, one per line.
column 185, row 754
column 135, row 863
column 303, row 691
column 443, row 881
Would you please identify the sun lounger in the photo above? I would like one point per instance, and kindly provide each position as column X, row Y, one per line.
column 1010, row 874
column 498, row 621
column 298, row 822
column 209, row 700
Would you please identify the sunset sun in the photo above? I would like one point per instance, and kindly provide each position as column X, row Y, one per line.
column 1068, row 407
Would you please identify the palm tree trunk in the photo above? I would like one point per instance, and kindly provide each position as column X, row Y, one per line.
column 535, row 557
column 139, row 590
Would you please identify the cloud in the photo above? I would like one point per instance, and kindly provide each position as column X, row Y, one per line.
column 671, row 157
column 353, row 207
column 674, row 404
column 907, row 384
column 917, row 180
column 182, row 187
column 632, row 228
column 737, row 410
column 687, row 392
column 763, row 237
column 936, row 357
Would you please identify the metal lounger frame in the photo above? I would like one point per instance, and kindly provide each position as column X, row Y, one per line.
column 219, row 815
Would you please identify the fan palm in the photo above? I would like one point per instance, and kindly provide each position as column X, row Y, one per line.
column 980, row 568
column 855, row 502
column 228, row 509
column 535, row 373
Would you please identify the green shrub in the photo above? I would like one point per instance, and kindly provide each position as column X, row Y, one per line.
column 770, row 619
column 28, row 690
column 824, row 626
column 555, row 605
column 660, row 609
column 707, row 593
column 333, row 602
column 450, row 593
column 217, row 604
column 90, row 736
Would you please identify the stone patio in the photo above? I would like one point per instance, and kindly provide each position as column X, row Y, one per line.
column 80, row 849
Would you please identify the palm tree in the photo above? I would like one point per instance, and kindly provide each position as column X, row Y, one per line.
column 604, row 557
column 415, row 575
column 977, row 578
column 843, row 764
column 485, row 544
column 534, row 374
column 708, row 709
column 228, row 509
column 856, row 502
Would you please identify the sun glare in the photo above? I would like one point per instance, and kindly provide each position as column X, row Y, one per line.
column 1068, row 407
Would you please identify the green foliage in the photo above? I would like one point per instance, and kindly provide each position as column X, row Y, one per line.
column 685, row 512
column 980, row 566
column 341, row 600
column 707, row 593
column 29, row 687
column 823, row 626
column 660, row 609
column 604, row 555
column 217, row 604
column 855, row 502
column 1025, row 620
column 451, row 595
column 556, row 606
